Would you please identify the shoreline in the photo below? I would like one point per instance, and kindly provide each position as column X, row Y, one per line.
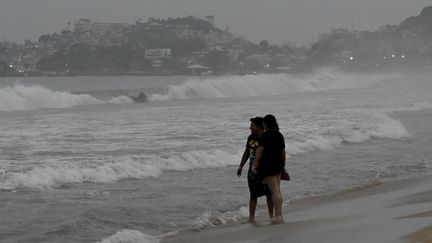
column 399, row 210
column 182, row 73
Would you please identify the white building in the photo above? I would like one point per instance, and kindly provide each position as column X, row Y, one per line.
column 91, row 32
column 151, row 54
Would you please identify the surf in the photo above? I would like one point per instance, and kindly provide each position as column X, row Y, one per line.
column 21, row 97
column 323, row 79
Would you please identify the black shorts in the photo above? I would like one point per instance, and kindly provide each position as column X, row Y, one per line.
column 266, row 169
column 256, row 186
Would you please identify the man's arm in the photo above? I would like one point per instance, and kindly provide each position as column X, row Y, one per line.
column 243, row 161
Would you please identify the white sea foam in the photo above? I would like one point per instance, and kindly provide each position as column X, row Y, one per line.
column 20, row 97
column 196, row 160
column 209, row 219
column 268, row 84
column 53, row 176
column 386, row 127
column 122, row 99
column 361, row 126
column 130, row 236
column 115, row 169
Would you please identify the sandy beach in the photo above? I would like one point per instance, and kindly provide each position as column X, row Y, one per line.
column 395, row 211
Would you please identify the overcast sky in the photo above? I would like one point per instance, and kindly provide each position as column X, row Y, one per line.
column 299, row 21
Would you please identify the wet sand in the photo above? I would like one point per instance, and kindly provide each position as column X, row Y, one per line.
column 395, row 211
column 423, row 236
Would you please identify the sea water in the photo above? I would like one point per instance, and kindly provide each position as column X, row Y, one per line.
column 81, row 162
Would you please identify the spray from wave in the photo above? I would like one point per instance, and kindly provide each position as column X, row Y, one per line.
column 20, row 97
column 268, row 84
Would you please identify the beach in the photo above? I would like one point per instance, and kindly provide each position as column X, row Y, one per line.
column 395, row 211
column 81, row 162
column 391, row 210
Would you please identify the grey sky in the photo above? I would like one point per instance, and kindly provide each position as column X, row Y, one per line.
column 299, row 21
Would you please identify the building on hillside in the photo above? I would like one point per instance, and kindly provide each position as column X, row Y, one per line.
column 211, row 19
column 157, row 56
column 159, row 53
column 220, row 38
column 257, row 62
column 234, row 53
column 93, row 33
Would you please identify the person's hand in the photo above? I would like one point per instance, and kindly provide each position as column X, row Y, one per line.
column 239, row 171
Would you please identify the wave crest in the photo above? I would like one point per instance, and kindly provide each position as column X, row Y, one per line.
column 118, row 168
column 268, row 84
column 20, row 97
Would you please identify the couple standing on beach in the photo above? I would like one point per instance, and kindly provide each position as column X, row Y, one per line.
column 265, row 149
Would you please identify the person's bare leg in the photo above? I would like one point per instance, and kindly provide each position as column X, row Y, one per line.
column 270, row 206
column 273, row 182
column 252, row 207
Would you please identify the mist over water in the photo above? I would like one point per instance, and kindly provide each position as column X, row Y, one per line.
column 88, row 146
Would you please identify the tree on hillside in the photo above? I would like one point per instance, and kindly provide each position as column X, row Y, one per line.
column 185, row 46
column 4, row 68
column 219, row 61
column 264, row 45
column 191, row 22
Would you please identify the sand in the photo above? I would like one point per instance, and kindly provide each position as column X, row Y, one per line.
column 395, row 211
column 423, row 236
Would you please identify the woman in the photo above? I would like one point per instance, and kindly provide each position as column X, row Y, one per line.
column 270, row 162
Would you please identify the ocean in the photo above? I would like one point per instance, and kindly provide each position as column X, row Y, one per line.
column 81, row 162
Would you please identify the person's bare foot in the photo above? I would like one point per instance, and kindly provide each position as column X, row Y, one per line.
column 251, row 221
column 277, row 220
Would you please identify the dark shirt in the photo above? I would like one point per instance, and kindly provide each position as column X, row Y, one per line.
column 256, row 187
column 252, row 144
column 272, row 160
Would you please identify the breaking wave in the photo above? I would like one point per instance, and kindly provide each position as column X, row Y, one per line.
column 20, row 97
column 363, row 127
column 114, row 169
column 366, row 127
column 269, row 84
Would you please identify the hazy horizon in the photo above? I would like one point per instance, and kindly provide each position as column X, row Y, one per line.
column 278, row 21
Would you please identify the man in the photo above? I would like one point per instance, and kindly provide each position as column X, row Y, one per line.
column 256, row 186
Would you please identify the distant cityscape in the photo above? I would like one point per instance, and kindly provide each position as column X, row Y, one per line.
column 196, row 46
